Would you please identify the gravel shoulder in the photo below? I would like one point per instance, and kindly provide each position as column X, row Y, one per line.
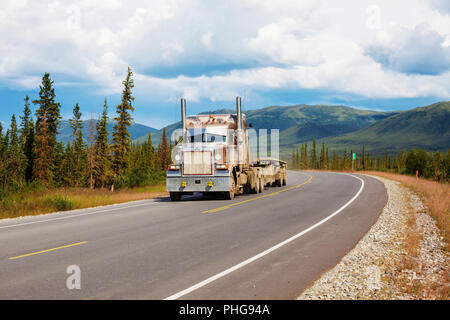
column 384, row 264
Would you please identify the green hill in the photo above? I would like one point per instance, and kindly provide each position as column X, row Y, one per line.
column 425, row 128
column 301, row 123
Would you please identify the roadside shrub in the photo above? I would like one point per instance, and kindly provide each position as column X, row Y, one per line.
column 60, row 203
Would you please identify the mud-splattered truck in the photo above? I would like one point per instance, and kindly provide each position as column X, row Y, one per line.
column 212, row 155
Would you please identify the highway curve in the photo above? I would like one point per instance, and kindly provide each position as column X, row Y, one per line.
column 265, row 246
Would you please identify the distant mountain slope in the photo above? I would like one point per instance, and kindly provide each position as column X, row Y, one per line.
column 136, row 130
column 301, row 123
column 425, row 128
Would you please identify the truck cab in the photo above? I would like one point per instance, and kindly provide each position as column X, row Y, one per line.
column 211, row 155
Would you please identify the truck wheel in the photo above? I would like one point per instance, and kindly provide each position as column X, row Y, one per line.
column 284, row 182
column 260, row 186
column 278, row 183
column 255, row 189
column 175, row 196
column 229, row 195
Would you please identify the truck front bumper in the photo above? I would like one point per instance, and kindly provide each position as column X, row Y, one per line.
column 198, row 184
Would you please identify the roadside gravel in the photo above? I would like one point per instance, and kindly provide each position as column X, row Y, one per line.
column 375, row 268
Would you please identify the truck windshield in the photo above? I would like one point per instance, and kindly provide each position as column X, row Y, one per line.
column 198, row 138
column 215, row 138
column 208, row 137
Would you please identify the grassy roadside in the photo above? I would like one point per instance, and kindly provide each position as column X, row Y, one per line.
column 61, row 199
column 420, row 268
column 435, row 196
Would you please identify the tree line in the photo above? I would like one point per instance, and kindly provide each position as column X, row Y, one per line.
column 30, row 153
column 431, row 165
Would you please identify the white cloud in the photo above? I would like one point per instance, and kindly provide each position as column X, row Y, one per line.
column 275, row 44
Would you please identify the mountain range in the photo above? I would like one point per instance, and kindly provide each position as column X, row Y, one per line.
column 339, row 127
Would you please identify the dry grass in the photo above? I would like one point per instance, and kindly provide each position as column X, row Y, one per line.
column 435, row 195
column 61, row 199
column 410, row 276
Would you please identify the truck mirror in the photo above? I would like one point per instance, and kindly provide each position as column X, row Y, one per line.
column 250, row 125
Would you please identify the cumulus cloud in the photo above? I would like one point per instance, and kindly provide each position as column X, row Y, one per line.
column 256, row 45
column 417, row 51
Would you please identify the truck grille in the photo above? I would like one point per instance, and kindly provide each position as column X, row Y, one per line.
column 197, row 162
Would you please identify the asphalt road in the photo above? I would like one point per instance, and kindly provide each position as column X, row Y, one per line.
column 266, row 246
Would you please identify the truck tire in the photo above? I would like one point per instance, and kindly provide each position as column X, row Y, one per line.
column 260, row 186
column 278, row 183
column 229, row 195
column 284, row 182
column 175, row 196
column 255, row 189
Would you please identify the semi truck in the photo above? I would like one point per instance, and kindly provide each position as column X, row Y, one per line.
column 211, row 155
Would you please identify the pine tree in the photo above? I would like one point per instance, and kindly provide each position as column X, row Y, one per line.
column 294, row 160
column 43, row 165
column 335, row 161
column 91, row 153
column 27, row 139
column 14, row 159
column 76, row 123
column 102, row 162
column 121, row 137
column 79, row 148
column 164, row 151
column 2, row 154
column 305, row 156
column 314, row 155
column 344, row 163
column 48, row 109
column 47, row 121
column 150, row 153
column 322, row 157
column 363, row 158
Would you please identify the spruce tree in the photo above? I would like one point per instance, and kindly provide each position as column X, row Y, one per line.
column 121, row 137
column 164, row 151
column 150, row 153
column 76, row 123
column 43, row 165
column 15, row 161
column 48, row 109
column 79, row 148
column 47, row 121
column 314, row 155
column 102, row 162
column 322, row 157
column 27, row 139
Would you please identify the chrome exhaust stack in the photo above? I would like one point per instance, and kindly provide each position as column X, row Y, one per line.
column 238, row 113
column 183, row 116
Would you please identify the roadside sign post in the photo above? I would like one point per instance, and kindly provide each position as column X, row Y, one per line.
column 353, row 159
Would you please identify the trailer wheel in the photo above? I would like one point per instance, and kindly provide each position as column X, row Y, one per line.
column 175, row 196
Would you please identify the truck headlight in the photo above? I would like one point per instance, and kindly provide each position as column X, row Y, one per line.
column 222, row 166
column 177, row 157
column 174, row 167
column 218, row 157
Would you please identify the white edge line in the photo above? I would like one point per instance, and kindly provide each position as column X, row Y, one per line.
column 75, row 215
column 275, row 247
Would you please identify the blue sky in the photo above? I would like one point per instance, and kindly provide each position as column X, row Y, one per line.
column 380, row 55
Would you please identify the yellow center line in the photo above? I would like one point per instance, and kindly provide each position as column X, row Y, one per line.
column 48, row 250
column 257, row 198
